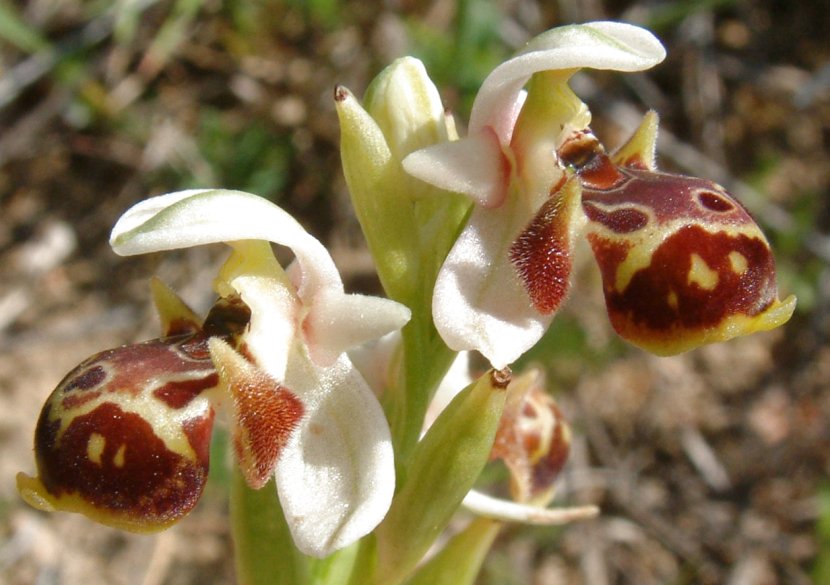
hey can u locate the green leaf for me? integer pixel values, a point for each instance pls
(16, 32)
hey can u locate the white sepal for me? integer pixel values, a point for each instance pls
(336, 475)
(595, 45)
(208, 216)
(479, 302)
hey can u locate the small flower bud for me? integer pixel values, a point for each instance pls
(533, 440)
(406, 106)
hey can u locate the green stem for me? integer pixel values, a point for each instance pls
(264, 551)
(426, 360)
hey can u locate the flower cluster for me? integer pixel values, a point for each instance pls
(473, 240)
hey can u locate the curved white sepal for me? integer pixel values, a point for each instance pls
(474, 166)
(597, 45)
(507, 511)
(208, 216)
(336, 475)
(479, 301)
(338, 322)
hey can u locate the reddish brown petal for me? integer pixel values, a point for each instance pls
(105, 445)
(542, 254)
(178, 394)
(264, 413)
(691, 286)
(125, 437)
(114, 461)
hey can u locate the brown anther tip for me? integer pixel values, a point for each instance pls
(501, 378)
(341, 93)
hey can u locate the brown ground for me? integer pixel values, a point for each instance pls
(710, 467)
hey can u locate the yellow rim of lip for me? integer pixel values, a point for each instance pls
(678, 340)
(35, 494)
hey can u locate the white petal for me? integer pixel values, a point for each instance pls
(479, 302)
(508, 511)
(272, 329)
(598, 45)
(206, 216)
(336, 475)
(475, 166)
(338, 322)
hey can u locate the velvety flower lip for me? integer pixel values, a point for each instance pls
(508, 167)
(301, 323)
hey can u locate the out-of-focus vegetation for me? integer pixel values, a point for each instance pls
(709, 467)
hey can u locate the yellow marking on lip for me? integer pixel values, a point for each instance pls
(701, 275)
(95, 447)
(738, 262)
(118, 460)
(672, 300)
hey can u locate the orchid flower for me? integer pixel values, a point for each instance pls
(272, 351)
(682, 262)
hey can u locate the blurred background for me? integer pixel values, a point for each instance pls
(710, 467)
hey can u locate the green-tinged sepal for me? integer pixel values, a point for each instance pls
(375, 186)
(442, 469)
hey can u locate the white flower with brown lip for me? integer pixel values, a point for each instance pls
(507, 165)
(335, 473)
